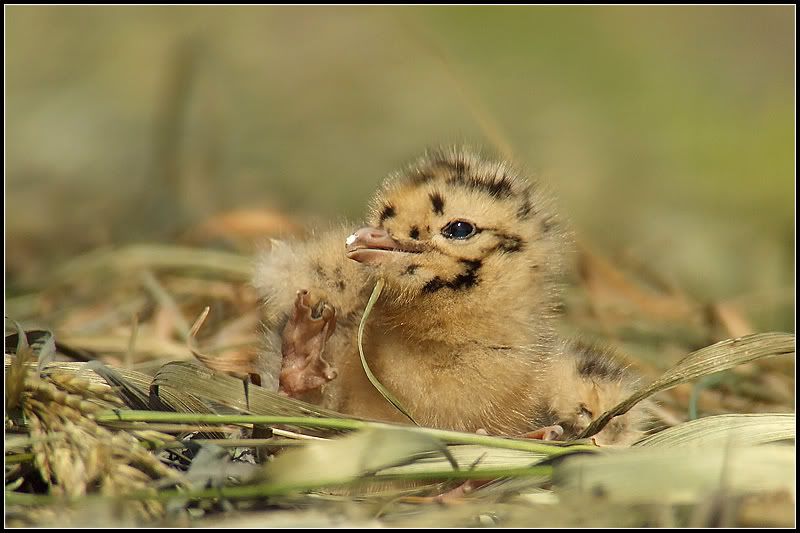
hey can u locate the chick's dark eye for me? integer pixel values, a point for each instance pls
(458, 229)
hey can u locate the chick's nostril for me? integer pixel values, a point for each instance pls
(372, 234)
(370, 237)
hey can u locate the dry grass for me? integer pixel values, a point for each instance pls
(67, 450)
(153, 439)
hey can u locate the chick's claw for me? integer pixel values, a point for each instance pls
(309, 327)
(545, 433)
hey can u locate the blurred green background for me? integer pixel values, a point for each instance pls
(666, 132)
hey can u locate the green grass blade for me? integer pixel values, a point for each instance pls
(386, 393)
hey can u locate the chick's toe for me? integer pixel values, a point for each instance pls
(310, 325)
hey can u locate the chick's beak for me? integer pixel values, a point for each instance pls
(371, 246)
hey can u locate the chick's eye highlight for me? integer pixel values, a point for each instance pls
(458, 229)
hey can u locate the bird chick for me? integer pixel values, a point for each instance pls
(588, 379)
(463, 334)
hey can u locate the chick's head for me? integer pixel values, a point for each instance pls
(457, 228)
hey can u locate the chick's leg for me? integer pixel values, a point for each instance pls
(309, 327)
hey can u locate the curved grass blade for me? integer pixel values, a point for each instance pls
(709, 360)
(133, 395)
(386, 393)
(41, 342)
(17, 370)
(720, 430)
(220, 389)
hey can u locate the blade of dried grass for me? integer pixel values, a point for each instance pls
(165, 300)
(222, 389)
(128, 359)
(179, 400)
(723, 429)
(17, 370)
(134, 395)
(239, 366)
(147, 347)
(715, 358)
(172, 391)
(138, 380)
(19, 338)
(40, 342)
(135, 257)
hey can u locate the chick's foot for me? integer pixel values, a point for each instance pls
(545, 433)
(309, 327)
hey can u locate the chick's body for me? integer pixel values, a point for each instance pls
(463, 332)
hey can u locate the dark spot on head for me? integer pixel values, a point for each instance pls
(421, 176)
(509, 243)
(457, 167)
(547, 224)
(591, 367)
(594, 361)
(456, 180)
(414, 233)
(388, 212)
(340, 285)
(437, 202)
(410, 269)
(500, 188)
(524, 211)
(496, 188)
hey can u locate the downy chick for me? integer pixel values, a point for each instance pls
(463, 334)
